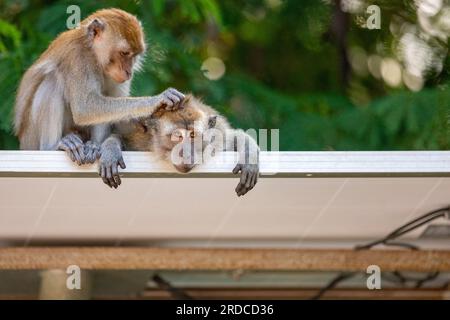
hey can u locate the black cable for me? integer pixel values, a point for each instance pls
(402, 244)
(175, 293)
(408, 227)
(339, 278)
(402, 279)
(429, 277)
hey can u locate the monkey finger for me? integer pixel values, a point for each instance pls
(177, 93)
(110, 183)
(113, 183)
(122, 163)
(75, 138)
(244, 174)
(175, 99)
(103, 175)
(242, 192)
(105, 181)
(118, 180)
(110, 176)
(88, 156)
(251, 180)
(245, 190)
(248, 179)
(74, 151)
(93, 156)
(76, 141)
(115, 175)
(236, 169)
(108, 172)
(240, 189)
(79, 146)
(71, 155)
(167, 102)
(254, 179)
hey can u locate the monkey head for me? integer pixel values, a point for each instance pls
(178, 136)
(117, 40)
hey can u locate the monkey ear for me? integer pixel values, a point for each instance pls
(212, 121)
(95, 28)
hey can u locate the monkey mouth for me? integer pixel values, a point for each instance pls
(122, 79)
(183, 168)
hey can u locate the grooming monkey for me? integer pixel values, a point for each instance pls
(185, 134)
(81, 83)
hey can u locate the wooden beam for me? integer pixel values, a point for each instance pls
(269, 294)
(129, 258)
(291, 293)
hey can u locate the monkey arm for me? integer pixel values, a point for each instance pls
(248, 164)
(93, 108)
(241, 142)
(110, 160)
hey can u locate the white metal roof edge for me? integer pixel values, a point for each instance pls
(272, 164)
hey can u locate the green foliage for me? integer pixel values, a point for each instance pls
(283, 69)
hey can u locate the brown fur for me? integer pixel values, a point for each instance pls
(124, 24)
(140, 135)
(190, 110)
(71, 61)
(175, 133)
(24, 124)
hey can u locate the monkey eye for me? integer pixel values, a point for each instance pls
(124, 53)
(176, 135)
(193, 134)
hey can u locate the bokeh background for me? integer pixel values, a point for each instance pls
(311, 68)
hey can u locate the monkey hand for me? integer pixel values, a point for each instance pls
(170, 99)
(91, 152)
(249, 177)
(110, 160)
(73, 146)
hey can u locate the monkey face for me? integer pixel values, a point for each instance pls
(179, 135)
(180, 145)
(120, 65)
(186, 151)
(117, 40)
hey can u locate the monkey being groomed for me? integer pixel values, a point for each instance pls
(181, 138)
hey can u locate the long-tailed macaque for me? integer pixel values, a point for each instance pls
(182, 135)
(81, 83)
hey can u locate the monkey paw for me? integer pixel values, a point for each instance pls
(91, 152)
(109, 168)
(73, 146)
(171, 99)
(249, 177)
